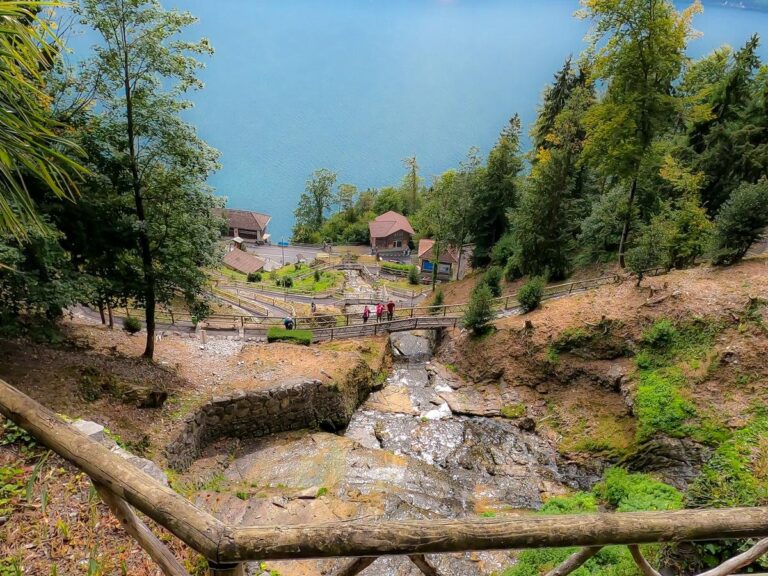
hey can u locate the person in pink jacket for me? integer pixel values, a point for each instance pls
(379, 311)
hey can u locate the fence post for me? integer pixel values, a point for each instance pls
(346, 317)
(411, 312)
(445, 308)
(506, 303)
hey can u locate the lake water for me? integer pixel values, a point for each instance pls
(357, 85)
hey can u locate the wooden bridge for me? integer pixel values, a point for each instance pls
(125, 488)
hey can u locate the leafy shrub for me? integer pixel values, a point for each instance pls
(531, 293)
(492, 279)
(131, 324)
(512, 270)
(661, 335)
(286, 282)
(317, 275)
(413, 276)
(479, 312)
(660, 406)
(580, 502)
(627, 492)
(503, 250)
(254, 277)
(396, 266)
(276, 334)
(740, 222)
(437, 303)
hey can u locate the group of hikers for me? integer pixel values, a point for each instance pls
(289, 323)
(390, 308)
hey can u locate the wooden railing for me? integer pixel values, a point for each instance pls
(125, 488)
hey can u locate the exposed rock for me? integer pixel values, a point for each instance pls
(411, 346)
(677, 460)
(96, 432)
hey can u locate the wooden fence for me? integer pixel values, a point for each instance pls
(125, 488)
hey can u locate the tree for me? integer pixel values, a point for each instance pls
(31, 141)
(740, 222)
(639, 50)
(495, 194)
(314, 202)
(389, 199)
(411, 187)
(140, 72)
(553, 102)
(345, 197)
(712, 140)
(479, 312)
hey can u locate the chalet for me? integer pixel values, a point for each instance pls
(390, 231)
(243, 262)
(448, 261)
(246, 224)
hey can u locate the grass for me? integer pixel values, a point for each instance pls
(663, 403)
(620, 490)
(276, 334)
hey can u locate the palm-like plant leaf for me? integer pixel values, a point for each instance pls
(30, 139)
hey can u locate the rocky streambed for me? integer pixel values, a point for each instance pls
(425, 445)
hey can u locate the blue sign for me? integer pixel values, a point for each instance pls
(283, 244)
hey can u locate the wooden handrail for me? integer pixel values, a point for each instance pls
(222, 543)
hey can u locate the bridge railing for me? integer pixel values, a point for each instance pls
(125, 489)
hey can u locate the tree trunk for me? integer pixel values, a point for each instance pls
(627, 222)
(101, 312)
(435, 263)
(146, 250)
(109, 313)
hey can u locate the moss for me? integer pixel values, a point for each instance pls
(513, 410)
(322, 491)
(275, 334)
(627, 492)
(737, 473)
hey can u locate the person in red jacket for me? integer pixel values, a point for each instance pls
(379, 311)
(390, 310)
(366, 315)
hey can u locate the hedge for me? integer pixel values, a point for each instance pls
(276, 334)
(395, 266)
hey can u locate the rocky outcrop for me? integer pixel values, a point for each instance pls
(676, 460)
(414, 346)
(294, 404)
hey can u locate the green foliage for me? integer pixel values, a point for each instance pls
(322, 491)
(661, 335)
(254, 277)
(13, 434)
(740, 222)
(578, 503)
(131, 324)
(492, 279)
(395, 266)
(413, 276)
(531, 293)
(627, 492)
(600, 233)
(316, 275)
(437, 302)
(285, 282)
(513, 410)
(479, 312)
(313, 204)
(12, 487)
(276, 334)
(660, 405)
(737, 472)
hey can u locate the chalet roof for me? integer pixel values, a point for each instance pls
(449, 256)
(389, 223)
(245, 219)
(243, 262)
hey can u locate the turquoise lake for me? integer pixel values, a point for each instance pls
(357, 85)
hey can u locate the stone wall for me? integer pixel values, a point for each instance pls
(291, 405)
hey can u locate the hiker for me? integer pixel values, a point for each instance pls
(379, 311)
(390, 310)
(366, 314)
(288, 323)
(313, 306)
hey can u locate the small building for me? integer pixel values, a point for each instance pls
(390, 231)
(448, 260)
(243, 262)
(246, 224)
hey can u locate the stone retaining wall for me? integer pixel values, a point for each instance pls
(291, 405)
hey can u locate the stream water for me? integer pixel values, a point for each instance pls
(405, 454)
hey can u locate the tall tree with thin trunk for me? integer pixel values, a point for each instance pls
(638, 51)
(142, 69)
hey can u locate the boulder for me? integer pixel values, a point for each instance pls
(677, 460)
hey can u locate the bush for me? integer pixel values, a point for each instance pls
(492, 279)
(512, 270)
(479, 312)
(396, 266)
(286, 282)
(317, 275)
(438, 301)
(627, 492)
(531, 293)
(131, 324)
(276, 334)
(740, 223)
(661, 335)
(413, 276)
(254, 277)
